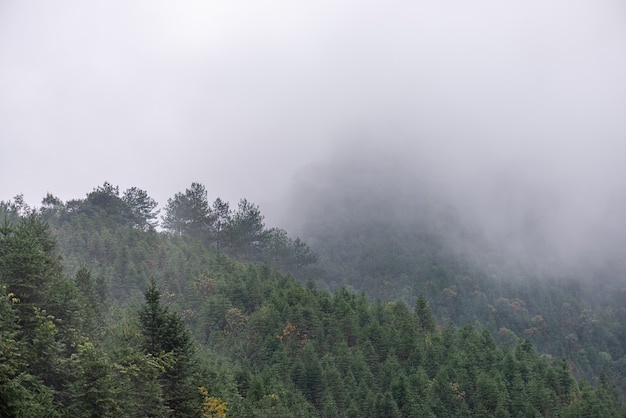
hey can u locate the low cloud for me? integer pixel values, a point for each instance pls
(512, 113)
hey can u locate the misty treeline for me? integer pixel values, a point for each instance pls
(239, 232)
(581, 318)
(392, 231)
(103, 316)
(267, 346)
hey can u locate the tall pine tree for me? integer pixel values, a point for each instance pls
(165, 335)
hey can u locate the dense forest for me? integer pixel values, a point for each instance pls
(107, 312)
(382, 229)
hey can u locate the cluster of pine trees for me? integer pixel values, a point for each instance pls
(574, 313)
(240, 233)
(101, 315)
(60, 353)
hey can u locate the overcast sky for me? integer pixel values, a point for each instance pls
(240, 95)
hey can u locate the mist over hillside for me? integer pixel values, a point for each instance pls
(459, 163)
(499, 105)
(555, 216)
(514, 247)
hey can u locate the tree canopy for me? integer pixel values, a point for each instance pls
(101, 316)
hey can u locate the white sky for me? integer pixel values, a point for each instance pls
(239, 95)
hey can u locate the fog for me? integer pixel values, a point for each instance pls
(511, 114)
(516, 214)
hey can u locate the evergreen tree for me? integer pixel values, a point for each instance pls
(189, 213)
(221, 217)
(141, 208)
(51, 207)
(29, 265)
(21, 393)
(165, 334)
(105, 204)
(246, 231)
(425, 318)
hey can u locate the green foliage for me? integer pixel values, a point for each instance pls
(141, 208)
(96, 390)
(188, 213)
(245, 232)
(221, 216)
(578, 314)
(165, 333)
(100, 338)
(240, 233)
(21, 394)
(29, 263)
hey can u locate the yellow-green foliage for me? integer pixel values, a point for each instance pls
(212, 407)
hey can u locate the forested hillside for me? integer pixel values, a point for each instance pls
(217, 315)
(582, 318)
(380, 229)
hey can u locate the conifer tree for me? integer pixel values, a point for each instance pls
(141, 208)
(425, 318)
(188, 213)
(165, 334)
(28, 262)
(21, 393)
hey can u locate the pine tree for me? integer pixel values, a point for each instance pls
(165, 334)
(189, 213)
(141, 208)
(28, 264)
(21, 393)
(425, 318)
